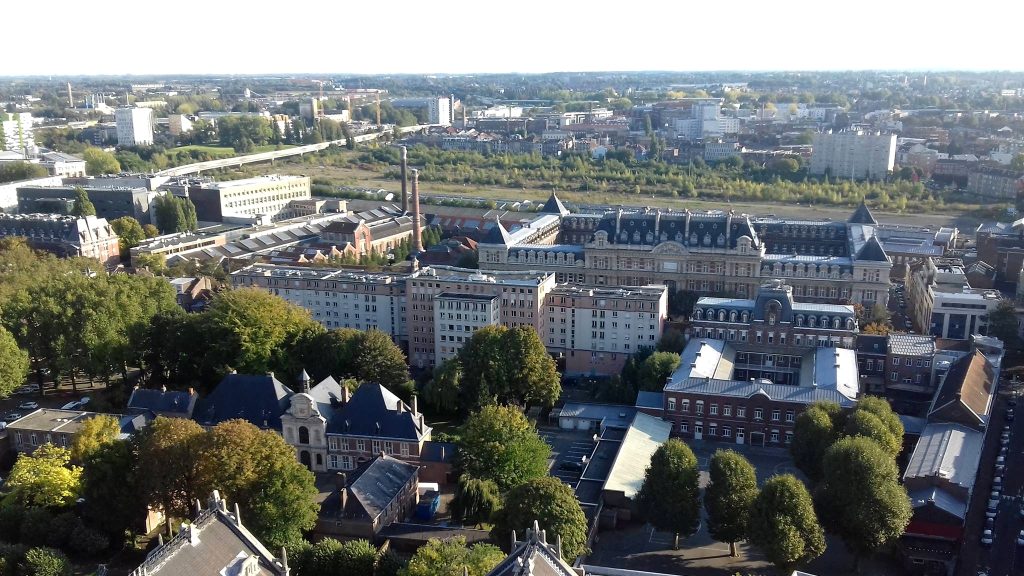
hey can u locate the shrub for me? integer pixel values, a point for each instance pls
(35, 527)
(45, 562)
(88, 541)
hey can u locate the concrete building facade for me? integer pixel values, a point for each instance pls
(134, 126)
(260, 199)
(89, 236)
(853, 155)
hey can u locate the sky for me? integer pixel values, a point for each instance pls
(145, 37)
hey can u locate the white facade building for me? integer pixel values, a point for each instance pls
(17, 132)
(134, 126)
(457, 317)
(853, 155)
(440, 111)
(261, 199)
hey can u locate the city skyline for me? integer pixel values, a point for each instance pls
(534, 37)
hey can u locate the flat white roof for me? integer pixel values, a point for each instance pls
(643, 438)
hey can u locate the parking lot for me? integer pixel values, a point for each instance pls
(27, 399)
(568, 449)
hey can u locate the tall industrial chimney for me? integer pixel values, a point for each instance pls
(417, 234)
(405, 193)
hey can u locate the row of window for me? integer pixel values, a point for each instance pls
(336, 444)
(727, 410)
(712, 431)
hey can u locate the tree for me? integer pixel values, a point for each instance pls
(553, 505)
(1017, 163)
(503, 365)
(442, 392)
(452, 557)
(98, 162)
(17, 171)
(656, 369)
(247, 329)
(880, 315)
(169, 452)
(813, 433)
(783, 524)
(150, 231)
(378, 359)
(500, 444)
(45, 562)
(82, 206)
(1002, 323)
(356, 558)
(475, 500)
(129, 232)
(258, 469)
(13, 363)
(95, 432)
(728, 496)
(174, 214)
(672, 340)
(860, 498)
(877, 329)
(44, 478)
(669, 498)
(110, 488)
(875, 419)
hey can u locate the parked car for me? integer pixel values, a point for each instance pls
(986, 538)
(571, 466)
(28, 406)
(997, 483)
(12, 416)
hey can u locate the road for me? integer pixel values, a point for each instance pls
(1004, 557)
(273, 154)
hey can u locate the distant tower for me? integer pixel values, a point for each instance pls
(71, 99)
(405, 194)
(417, 234)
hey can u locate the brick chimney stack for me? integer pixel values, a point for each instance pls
(405, 194)
(417, 234)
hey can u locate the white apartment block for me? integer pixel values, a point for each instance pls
(457, 317)
(440, 111)
(134, 126)
(942, 302)
(17, 133)
(252, 200)
(716, 151)
(855, 155)
(597, 329)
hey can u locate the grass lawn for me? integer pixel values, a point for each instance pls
(224, 151)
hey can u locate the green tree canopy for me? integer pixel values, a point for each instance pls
(500, 444)
(174, 214)
(98, 162)
(129, 232)
(94, 433)
(44, 478)
(1002, 323)
(783, 524)
(860, 497)
(169, 452)
(656, 369)
(452, 557)
(13, 363)
(669, 498)
(258, 469)
(377, 359)
(82, 206)
(730, 492)
(813, 433)
(553, 505)
(45, 562)
(18, 171)
(475, 500)
(110, 488)
(503, 365)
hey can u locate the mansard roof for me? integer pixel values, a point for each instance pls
(863, 215)
(554, 206)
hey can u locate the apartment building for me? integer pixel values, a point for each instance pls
(997, 184)
(855, 155)
(596, 329)
(17, 133)
(111, 202)
(134, 126)
(706, 252)
(258, 200)
(457, 317)
(942, 302)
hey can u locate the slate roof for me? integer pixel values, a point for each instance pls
(692, 229)
(912, 345)
(497, 235)
(438, 451)
(872, 251)
(554, 206)
(950, 452)
(646, 399)
(968, 382)
(166, 402)
(373, 411)
(863, 215)
(941, 499)
(376, 484)
(872, 344)
(327, 395)
(259, 400)
(216, 543)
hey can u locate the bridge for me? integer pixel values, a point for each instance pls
(275, 154)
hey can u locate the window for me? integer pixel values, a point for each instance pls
(684, 427)
(714, 410)
(758, 414)
(700, 407)
(727, 432)
(404, 448)
(741, 411)
(333, 461)
(789, 437)
(775, 415)
(671, 404)
(895, 361)
(894, 376)
(361, 445)
(346, 462)
(686, 406)
(332, 443)
(727, 410)
(789, 416)
(910, 362)
(376, 447)
(775, 436)
(712, 429)
(389, 447)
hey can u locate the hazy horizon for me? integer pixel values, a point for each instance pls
(529, 37)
